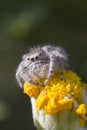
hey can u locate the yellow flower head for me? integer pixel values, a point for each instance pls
(60, 95)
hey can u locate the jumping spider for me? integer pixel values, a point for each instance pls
(41, 62)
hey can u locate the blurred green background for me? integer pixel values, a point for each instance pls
(25, 23)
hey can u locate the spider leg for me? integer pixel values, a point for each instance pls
(62, 66)
(51, 69)
(55, 63)
(62, 73)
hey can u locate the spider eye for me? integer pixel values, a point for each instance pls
(36, 57)
(32, 59)
(28, 58)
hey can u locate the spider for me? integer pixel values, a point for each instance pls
(41, 63)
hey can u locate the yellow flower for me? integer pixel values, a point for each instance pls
(82, 111)
(59, 95)
(31, 89)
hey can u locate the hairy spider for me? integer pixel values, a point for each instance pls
(41, 63)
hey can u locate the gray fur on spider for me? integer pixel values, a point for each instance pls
(41, 62)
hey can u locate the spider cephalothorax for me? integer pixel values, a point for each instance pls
(41, 63)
